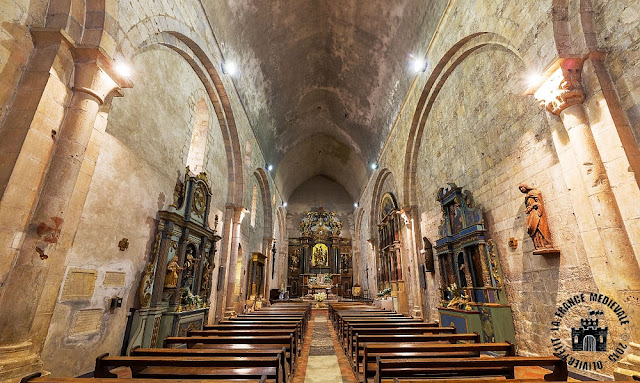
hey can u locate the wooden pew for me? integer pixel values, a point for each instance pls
(398, 321)
(422, 350)
(192, 367)
(36, 378)
(237, 342)
(477, 380)
(296, 327)
(200, 352)
(420, 328)
(469, 367)
(360, 340)
(356, 331)
(251, 332)
(265, 319)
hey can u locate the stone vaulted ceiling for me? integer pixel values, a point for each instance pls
(322, 81)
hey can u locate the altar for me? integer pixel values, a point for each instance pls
(318, 283)
(320, 259)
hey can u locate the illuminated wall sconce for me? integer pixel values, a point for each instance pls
(229, 68)
(513, 243)
(374, 166)
(418, 65)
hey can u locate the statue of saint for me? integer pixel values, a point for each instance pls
(536, 219)
(171, 278)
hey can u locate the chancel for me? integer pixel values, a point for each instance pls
(319, 191)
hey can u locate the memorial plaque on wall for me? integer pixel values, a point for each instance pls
(114, 278)
(86, 322)
(79, 284)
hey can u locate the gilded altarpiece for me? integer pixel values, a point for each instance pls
(176, 282)
(317, 253)
(472, 290)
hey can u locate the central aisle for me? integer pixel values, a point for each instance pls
(322, 365)
(322, 359)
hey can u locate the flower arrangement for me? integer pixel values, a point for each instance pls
(319, 297)
(191, 300)
(384, 292)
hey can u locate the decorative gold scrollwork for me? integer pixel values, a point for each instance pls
(493, 260)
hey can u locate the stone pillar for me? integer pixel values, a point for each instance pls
(562, 94)
(225, 255)
(39, 266)
(232, 298)
(608, 245)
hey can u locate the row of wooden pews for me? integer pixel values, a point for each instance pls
(262, 346)
(384, 346)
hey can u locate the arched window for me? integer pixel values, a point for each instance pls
(195, 159)
(254, 205)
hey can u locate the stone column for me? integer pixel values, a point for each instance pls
(35, 277)
(609, 249)
(562, 94)
(238, 216)
(225, 255)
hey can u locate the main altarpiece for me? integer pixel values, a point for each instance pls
(319, 259)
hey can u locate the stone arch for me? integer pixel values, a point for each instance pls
(85, 21)
(189, 48)
(573, 42)
(378, 191)
(436, 80)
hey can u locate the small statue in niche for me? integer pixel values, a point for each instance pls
(171, 278)
(345, 262)
(537, 227)
(206, 276)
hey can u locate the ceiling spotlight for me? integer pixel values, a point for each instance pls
(418, 64)
(374, 166)
(269, 167)
(229, 68)
(123, 69)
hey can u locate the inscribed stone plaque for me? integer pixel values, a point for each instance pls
(86, 322)
(114, 278)
(79, 284)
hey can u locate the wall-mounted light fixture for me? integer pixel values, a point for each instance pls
(123, 69)
(356, 204)
(269, 167)
(374, 166)
(284, 204)
(418, 64)
(229, 67)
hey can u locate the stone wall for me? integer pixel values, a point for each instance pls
(468, 120)
(144, 152)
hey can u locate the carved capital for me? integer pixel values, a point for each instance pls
(95, 72)
(563, 88)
